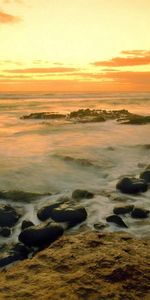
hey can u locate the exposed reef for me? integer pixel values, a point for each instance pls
(92, 115)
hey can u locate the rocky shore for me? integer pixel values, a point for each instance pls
(86, 265)
(91, 115)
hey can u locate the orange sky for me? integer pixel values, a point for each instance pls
(88, 45)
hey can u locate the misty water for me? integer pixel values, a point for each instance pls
(53, 156)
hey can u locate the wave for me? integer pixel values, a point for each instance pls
(85, 162)
(106, 96)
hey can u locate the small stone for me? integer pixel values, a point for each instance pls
(26, 223)
(121, 210)
(140, 213)
(117, 220)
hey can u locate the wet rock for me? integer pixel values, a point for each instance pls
(20, 195)
(69, 215)
(5, 231)
(26, 223)
(121, 210)
(45, 212)
(132, 185)
(4, 261)
(140, 213)
(117, 220)
(145, 176)
(41, 236)
(8, 216)
(15, 253)
(100, 226)
(82, 194)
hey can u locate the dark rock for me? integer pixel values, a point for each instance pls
(21, 249)
(15, 253)
(20, 195)
(41, 236)
(117, 220)
(5, 231)
(45, 212)
(139, 213)
(145, 176)
(69, 215)
(132, 185)
(4, 261)
(79, 194)
(26, 223)
(8, 216)
(121, 210)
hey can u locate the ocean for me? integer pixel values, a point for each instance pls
(53, 156)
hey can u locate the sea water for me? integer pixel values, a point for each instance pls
(53, 156)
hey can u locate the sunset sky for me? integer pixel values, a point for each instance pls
(82, 45)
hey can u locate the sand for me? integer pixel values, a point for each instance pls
(87, 265)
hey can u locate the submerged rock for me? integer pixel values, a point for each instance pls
(44, 115)
(137, 120)
(132, 185)
(145, 176)
(20, 195)
(79, 194)
(117, 220)
(41, 236)
(100, 226)
(46, 212)
(121, 210)
(26, 224)
(140, 213)
(8, 216)
(69, 215)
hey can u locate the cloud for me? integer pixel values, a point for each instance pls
(8, 19)
(43, 70)
(132, 58)
(11, 1)
(109, 81)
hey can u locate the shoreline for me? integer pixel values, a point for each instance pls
(86, 265)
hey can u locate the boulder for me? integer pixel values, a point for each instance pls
(41, 236)
(69, 215)
(117, 220)
(145, 176)
(121, 210)
(82, 194)
(45, 212)
(132, 185)
(140, 213)
(26, 223)
(8, 216)
(5, 231)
